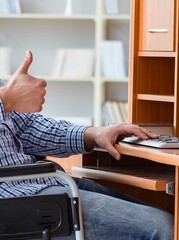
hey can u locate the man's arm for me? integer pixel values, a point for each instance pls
(23, 93)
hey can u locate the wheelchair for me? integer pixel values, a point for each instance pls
(41, 216)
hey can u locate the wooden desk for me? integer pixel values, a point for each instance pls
(142, 172)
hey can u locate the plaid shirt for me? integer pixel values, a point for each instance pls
(24, 135)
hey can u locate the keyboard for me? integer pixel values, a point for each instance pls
(163, 141)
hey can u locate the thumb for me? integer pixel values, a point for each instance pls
(26, 63)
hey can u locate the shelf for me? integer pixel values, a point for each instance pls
(156, 54)
(123, 80)
(47, 16)
(147, 178)
(55, 79)
(157, 98)
(122, 17)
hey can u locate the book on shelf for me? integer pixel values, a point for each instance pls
(112, 7)
(58, 62)
(117, 112)
(4, 6)
(73, 63)
(107, 113)
(15, 6)
(114, 112)
(68, 8)
(10, 6)
(5, 61)
(123, 106)
(112, 59)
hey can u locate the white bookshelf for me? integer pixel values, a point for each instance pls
(43, 28)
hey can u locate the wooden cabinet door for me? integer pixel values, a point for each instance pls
(156, 31)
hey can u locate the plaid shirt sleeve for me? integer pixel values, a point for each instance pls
(45, 136)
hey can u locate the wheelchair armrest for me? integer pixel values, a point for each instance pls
(27, 169)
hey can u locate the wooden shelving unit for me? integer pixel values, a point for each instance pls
(153, 71)
(153, 98)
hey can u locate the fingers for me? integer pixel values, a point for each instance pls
(113, 152)
(26, 63)
(127, 130)
(145, 134)
(149, 133)
(142, 132)
(108, 144)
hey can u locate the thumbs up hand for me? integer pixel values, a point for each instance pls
(23, 93)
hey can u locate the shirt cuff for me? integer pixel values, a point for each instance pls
(3, 116)
(75, 139)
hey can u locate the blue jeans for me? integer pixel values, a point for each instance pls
(110, 215)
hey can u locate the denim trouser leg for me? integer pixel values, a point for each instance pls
(111, 218)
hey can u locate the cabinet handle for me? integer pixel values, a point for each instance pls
(158, 30)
